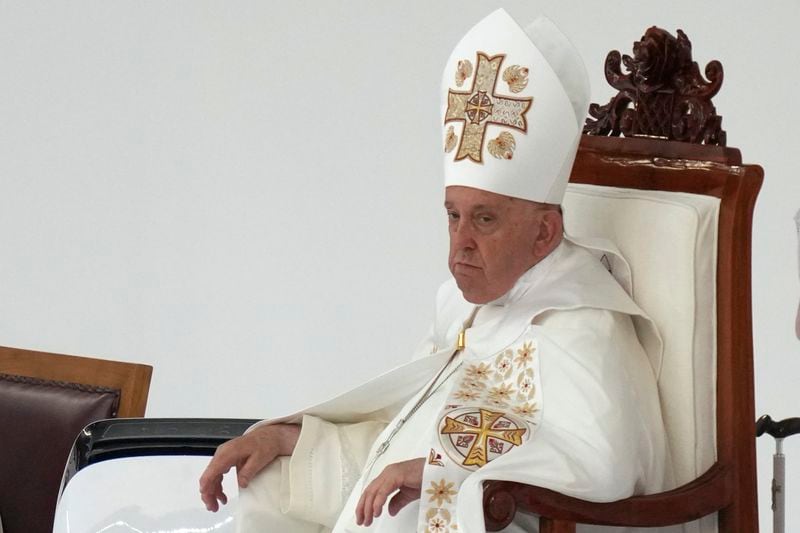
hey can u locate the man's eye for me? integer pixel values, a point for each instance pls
(484, 219)
(452, 216)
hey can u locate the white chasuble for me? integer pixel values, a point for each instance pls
(493, 408)
(554, 389)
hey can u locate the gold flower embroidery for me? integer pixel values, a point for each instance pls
(524, 354)
(463, 71)
(474, 384)
(503, 365)
(438, 520)
(516, 77)
(526, 387)
(526, 409)
(433, 511)
(480, 371)
(437, 525)
(467, 395)
(502, 393)
(497, 402)
(450, 140)
(441, 492)
(503, 146)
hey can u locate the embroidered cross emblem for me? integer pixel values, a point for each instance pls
(480, 106)
(484, 432)
(464, 441)
(496, 446)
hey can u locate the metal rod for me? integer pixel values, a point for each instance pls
(778, 488)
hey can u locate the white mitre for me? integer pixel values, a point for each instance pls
(513, 107)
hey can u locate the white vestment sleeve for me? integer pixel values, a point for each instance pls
(325, 465)
(601, 437)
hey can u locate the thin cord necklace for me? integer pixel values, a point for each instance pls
(461, 343)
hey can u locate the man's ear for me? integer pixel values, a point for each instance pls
(551, 230)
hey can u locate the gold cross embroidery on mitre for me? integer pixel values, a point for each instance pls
(480, 106)
(477, 455)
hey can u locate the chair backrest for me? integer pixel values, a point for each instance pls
(45, 401)
(679, 205)
(682, 221)
(669, 241)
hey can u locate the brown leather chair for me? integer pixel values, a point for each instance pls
(674, 147)
(45, 401)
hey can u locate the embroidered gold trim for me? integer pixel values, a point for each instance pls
(503, 146)
(435, 458)
(516, 77)
(480, 371)
(438, 520)
(467, 395)
(463, 71)
(450, 140)
(524, 354)
(526, 388)
(481, 106)
(503, 365)
(491, 429)
(527, 410)
(441, 492)
(501, 394)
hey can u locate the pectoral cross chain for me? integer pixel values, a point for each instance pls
(432, 388)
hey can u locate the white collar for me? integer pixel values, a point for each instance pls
(529, 279)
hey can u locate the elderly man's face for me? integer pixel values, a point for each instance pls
(494, 239)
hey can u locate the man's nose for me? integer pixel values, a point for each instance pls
(462, 236)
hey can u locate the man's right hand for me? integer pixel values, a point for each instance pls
(250, 454)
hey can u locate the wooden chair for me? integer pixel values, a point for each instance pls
(711, 429)
(45, 401)
(130, 379)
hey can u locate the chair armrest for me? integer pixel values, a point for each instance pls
(129, 437)
(707, 494)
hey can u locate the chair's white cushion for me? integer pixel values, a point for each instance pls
(670, 241)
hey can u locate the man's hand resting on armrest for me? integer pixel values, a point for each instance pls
(404, 478)
(250, 454)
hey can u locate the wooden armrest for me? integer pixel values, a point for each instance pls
(707, 494)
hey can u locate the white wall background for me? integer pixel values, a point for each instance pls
(247, 195)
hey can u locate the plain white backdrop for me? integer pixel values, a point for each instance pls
(247, 195)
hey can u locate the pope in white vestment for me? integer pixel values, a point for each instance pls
(551, 382)
(589, 408)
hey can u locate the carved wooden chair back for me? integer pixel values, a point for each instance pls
(706, 382)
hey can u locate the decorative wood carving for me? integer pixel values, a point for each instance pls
(663, 95)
